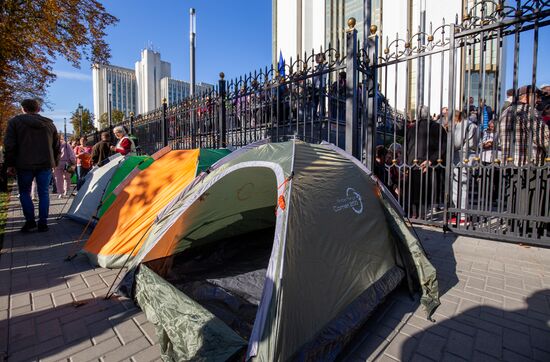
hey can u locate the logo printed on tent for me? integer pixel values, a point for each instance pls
(351, 201)
(245, 191)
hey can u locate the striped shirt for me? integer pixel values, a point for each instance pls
(523, 139)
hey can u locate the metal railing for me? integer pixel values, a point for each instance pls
(483, 167)
(449, 169)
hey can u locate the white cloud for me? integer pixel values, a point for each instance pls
(73, 75)
(57, 115)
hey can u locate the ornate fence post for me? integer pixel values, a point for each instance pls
(222, 127)
(131, 123)
(372, 106)
(280, 103)
(352, 131)
(193, 107)
(450, 135)
(164, 123)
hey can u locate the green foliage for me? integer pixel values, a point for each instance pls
(87, 122)
(103, 121)
(116, 118)
(34, 33)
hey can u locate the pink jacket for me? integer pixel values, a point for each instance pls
(67, 155)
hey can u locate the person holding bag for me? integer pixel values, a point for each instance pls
(83, 154)
(65, 168)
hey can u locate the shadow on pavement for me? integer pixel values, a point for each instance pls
(66, 330)
(487, 333)
(56, 307)
(37, 260)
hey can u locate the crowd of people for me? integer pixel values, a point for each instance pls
(34, 152)
(413, 166)
(512, 140)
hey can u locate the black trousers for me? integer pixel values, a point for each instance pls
(3, 178)
(526, 195)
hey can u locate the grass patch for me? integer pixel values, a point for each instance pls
(4, 201)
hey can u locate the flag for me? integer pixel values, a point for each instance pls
(281, 66)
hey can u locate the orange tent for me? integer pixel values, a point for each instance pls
(127, 222)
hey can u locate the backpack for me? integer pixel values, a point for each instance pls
(465, 139)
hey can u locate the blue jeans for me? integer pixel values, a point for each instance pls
(81, 172)
(24, 182)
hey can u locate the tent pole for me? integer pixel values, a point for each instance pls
(65, 205)
(72, 255)
(94, 216)
(107, 296)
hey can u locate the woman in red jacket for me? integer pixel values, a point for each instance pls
(124, 145)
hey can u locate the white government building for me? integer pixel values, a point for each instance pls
(138, 90)
(299, 26)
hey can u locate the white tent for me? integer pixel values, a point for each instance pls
(89, 196)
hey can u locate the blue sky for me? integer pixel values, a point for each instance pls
(525, 66)
(233, 36)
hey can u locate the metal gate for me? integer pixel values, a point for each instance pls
(457, 149)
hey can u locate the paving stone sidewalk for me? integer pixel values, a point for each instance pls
(495, 304)
(54, 310)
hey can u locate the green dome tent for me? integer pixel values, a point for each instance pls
(280, 251)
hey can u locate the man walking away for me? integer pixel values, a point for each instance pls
(32, 150)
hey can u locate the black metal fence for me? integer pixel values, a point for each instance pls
(479, 164)
(305, 99)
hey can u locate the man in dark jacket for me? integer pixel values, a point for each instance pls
(32, 150)
(101, 150)
(426, 147)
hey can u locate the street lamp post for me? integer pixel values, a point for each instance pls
(192, 35)
(110, 93)
(65, 127)
(80, 110)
